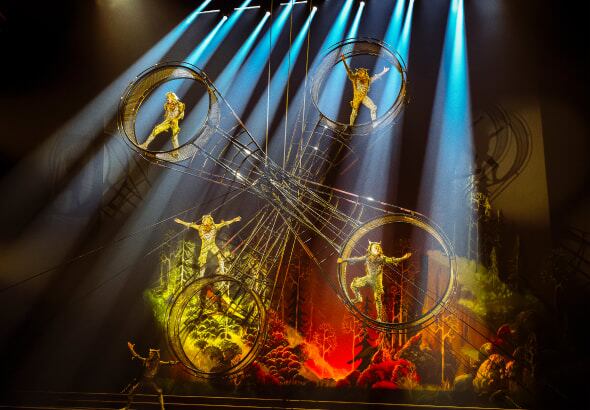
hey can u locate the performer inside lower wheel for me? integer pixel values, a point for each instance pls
(208, 234)
(374, 261)
(173, 112)
(361, 83)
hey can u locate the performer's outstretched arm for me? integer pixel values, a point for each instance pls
(381, 74)
(134, 354)
(352, 260)
(226, 223)
(395, 261)
(348, 70)
(187, 224)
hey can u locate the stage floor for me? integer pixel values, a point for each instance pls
(79, 400)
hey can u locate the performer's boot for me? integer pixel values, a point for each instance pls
(130, 394)
(161, 401)
(147, 142)
(358, 298)
(175, 144)
(379, 307)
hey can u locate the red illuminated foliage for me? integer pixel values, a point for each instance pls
(282, 361)
(389, 374)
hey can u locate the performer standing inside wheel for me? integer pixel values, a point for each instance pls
(374, 261)
(208, 234)
(151, 365)
(361, 83)
(173, 112)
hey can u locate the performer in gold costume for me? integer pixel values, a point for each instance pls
(374, 261)
(150, 365)
(173, 112)
(361, 83)
(208, 233)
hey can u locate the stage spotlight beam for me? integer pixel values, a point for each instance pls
(331, 98)
(223, 81)
(250, 73)
(395, 23)
(81, 130)
(195, 57)
(202, 54)
(335, 35)
(401, 41)
(448, 161)
(256, 119)
(383, 153)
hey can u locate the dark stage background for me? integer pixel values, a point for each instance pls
(66, 329)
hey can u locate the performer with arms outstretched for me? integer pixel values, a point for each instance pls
(374, 261)
(208, 234)
(150, 365)
(361, 83)
(173, 112)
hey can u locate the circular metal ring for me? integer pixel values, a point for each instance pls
(209, 312)
(417, 221)
(140, 89)
(350, 48)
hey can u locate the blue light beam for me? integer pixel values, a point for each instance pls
(249, 75)
(395, 23)
(223, 82)
(256, 120)
(81, 130)
(383, 152)
(194, 58)
(401, 42)
(200, 57)
(449, 152)
(335, 35)
(333, 90)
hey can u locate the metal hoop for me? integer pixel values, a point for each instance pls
(419, 222)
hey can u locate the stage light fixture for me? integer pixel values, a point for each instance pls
(209, 11)
(294, 2)
(246, 8)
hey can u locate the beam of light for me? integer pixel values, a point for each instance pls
(395, 23)
(256, 119)
(203, 53)
(335, 35)
(403, 45)
(333, 90)
(337, 31)
(81, 130)
(383, 153)
(223, 81)
(448, 158)
(250, 73)
(357, 19)
(195, 56)
(79, 150)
